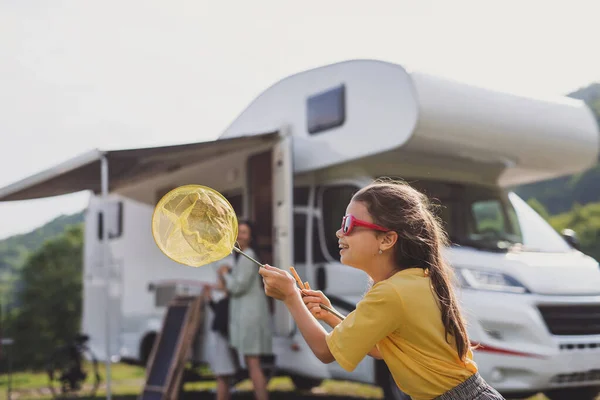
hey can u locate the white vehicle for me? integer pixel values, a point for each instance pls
(292, 160)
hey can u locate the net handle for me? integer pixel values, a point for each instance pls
(239, 251)
(323, 306)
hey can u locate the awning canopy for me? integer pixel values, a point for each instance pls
(124, 167)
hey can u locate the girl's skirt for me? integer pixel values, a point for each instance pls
(474, 388)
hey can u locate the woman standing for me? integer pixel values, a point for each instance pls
(221, 360)
(249, 326)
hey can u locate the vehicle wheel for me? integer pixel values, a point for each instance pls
(304, 383)
(386, 382)
(580, 393)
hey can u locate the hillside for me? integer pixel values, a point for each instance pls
(560, 195)
(15, 250)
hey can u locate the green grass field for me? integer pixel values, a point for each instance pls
(127, 382)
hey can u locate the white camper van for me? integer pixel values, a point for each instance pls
(292, 160)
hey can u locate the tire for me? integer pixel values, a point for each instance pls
(579, 393)
(385, 380)
(303, 383)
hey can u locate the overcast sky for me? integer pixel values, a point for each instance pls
(77, 75)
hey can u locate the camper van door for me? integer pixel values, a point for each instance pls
(283, 203)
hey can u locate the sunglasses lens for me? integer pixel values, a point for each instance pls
(346, 224)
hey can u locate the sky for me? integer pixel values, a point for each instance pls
(78, 75)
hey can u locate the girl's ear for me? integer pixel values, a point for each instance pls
(388, 240)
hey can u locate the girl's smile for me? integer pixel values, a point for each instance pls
(343, 246)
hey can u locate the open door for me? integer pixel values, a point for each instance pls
(283, 228)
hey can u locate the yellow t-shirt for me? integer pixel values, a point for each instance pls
(401, 316)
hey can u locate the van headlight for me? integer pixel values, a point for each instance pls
(489, 280)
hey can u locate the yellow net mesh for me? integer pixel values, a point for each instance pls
(194, 225)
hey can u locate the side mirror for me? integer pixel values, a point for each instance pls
(571, 237)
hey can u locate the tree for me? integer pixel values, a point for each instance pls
(50, 301)
(585, 220)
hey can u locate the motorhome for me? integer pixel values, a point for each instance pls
(292, 160)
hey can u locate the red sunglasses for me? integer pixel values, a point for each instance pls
(349, 222)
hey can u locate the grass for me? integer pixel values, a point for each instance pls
(127, 382)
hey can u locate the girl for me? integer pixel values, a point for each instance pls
(410, 317)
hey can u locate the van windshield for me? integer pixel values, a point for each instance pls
(488, 218)
(481, 217)
(474, 216)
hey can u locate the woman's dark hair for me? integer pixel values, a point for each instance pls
(421, 240)
(250, 225)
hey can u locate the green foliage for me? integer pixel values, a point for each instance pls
(488, 217)
(539, 208)
(15, 250)
(50, 302)
(585, 221)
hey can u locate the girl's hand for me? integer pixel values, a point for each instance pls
(278, 283)
(311, 299)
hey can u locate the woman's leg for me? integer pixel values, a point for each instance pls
(223, 388)
(259, 381)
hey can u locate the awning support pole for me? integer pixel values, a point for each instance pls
(106, 265)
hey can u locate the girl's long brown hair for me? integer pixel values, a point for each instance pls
(421, 240)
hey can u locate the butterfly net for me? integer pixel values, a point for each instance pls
(194, 225)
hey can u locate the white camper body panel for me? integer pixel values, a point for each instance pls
(387, 108)
(535, 138)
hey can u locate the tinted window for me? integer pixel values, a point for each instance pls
(326, 110)
(317, 256)
(487, 215)
(300, 244)
(473, 215)
(299, 237)
(335, 199)
(301, 195)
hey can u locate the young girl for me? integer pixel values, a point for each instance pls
(410, 316)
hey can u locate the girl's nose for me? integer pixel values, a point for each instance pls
(339, 233)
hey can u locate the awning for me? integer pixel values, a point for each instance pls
(124, 167)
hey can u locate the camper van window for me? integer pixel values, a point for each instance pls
(115, 221)
(301, 195)
(476, 216)
(488, 216)
(317, 252)
(334, 200)
(300, 237)
(326, 110)
(300, 243)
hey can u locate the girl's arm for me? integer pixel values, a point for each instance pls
(314, 334)
(334, 321)
(282, 286)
